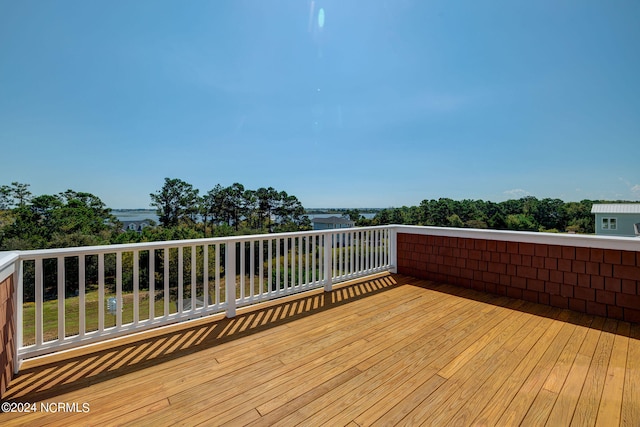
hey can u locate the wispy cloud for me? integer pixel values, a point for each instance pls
(634, 189)
(626, 181)
(517, 193)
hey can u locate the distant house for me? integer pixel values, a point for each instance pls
(135, 225)
(331, 223)
(617, 219)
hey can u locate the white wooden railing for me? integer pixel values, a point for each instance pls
(75, 296)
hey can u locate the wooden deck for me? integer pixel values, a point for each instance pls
(383, 351)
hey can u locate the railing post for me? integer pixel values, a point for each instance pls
(393, 249)
(18, 292)
(230, 278)
(328, 262)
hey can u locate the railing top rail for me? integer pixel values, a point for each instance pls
(40, 253)
(7, 264)
(579, 240)
(561, 239)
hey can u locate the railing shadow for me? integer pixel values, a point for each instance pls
(84, 367)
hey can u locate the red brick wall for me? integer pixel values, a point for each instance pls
(6, 333)
(603, 282)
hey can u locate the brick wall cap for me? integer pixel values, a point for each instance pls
(560, 239)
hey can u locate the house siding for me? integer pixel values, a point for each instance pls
(7, 329)
(624, 221)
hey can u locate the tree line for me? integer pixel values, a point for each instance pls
(73, 218)
(264, 209)
(524, 214)
(67, 219)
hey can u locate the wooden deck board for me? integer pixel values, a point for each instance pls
(476, 400)
(631, 398)
(611, 401)
(385, 350)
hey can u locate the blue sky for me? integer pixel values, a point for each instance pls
(384, 103)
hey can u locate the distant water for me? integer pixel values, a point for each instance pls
(311, 216)
(140, 215)
(137, 215)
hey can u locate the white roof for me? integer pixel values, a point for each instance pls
(617, 208)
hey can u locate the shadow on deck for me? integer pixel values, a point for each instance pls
(51, 375)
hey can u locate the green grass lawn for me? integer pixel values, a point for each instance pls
(72, 309)
(72, 314)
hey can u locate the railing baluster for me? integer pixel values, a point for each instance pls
(358, 250)
(376, 249)
(39, 284)
(152, 284)
(333, 242)
(181, 280)
(119, 301)
(393, 241)
(346, 243)
(193, 277)
(328, 255)
(285, 284)
(345, 250)
(307, 240)
(230, 278)
(367, 238)
(136, 286)
(205, 275)
(386, 247)
(313, 259)
(291, 271)
(366, 249)
(243, 247)
(321, 259)
(165, 265)
(217, 267)
(373, 249)
(300, 253)
(270, 267)
(296, 267)
(276, 285)
(81, 296)
(252, 266)
(101, 292)
(381, 249)
(292, 263)
(61, 298)
(352, 235)
(343, 254)
(261, 267)
(339, 247)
